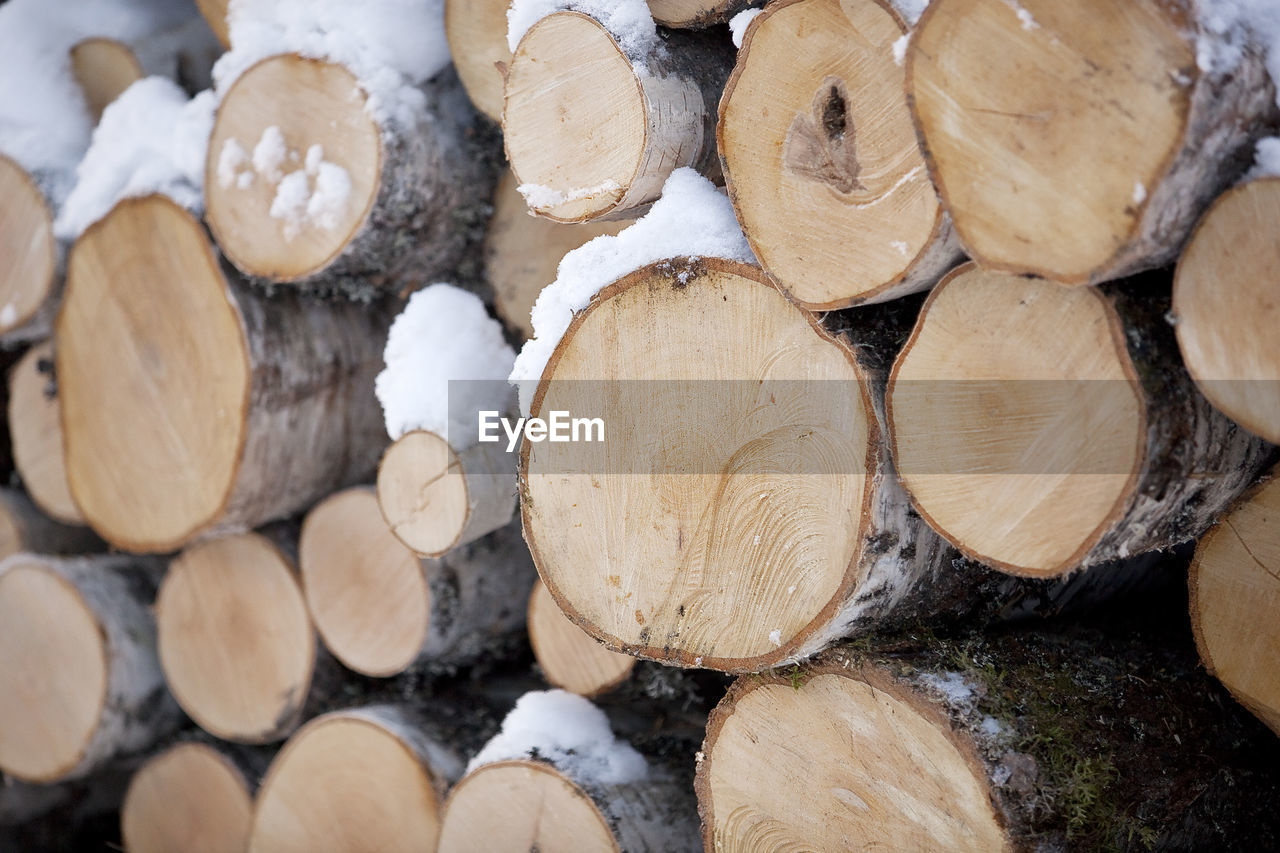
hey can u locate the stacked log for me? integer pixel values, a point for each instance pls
(35, 431)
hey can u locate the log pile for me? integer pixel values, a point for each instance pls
(887, 462)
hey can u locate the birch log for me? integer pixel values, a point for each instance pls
(695, 13)
(35, 430)
(28, 277)
(477, 34)
(23, 527)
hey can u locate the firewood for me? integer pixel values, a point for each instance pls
(380, 608)
(1235, 602)
(1080, 141)
(192, 797)
(1042, 428)
(304, 184)
(79, 679)
(477, 33)
(569, 657)
(104, 68)
(1225, 310)
(235, 638)
(28, 276)
(23, 527)
(363, 779)
(821, 158)
(35, 430)
(695, 13)
(215, 15)
(521, 252)
(207, 407)
(1031, 741)
(592, 131)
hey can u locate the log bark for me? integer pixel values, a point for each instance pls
(436, 499)
(522, 252)
(570, 658)
(368, 778)
(744, 510)
(29, 278)
(1010, 101)
(1223, 308)
(1043, 429)
(695, 13)
(192, 796)
(1034, 741)
(377, 206)
(35, 431)
(477, 34)
(80, 680)
(576, 158)
(1235, 601)
(209, 408)
(381, 608)
(235, 638)
(821, 158)
(23, 527)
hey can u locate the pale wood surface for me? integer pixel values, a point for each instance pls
(215, 14)
(695, 13)
(104, 68)
(26, 244)
(477, 33)
(190, 797)
(571, 658)
(35, 431)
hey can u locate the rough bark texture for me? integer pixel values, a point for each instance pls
(38, 534)
(670, 14)
(1052, 719)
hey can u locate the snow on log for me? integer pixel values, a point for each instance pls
(522, 252)
(381, 608)
(1042, 428)
(151, 464)
(599, 111)
(1235, 601)
(24, 527)
(569, 657)
(562, 780)
(79, 680)
(821, 158)
(235, 638)
(1017, 741)
(369, 778)
(446, 365)
(1224, 308)
(192, 796)
(1081, 141)
(35, 430)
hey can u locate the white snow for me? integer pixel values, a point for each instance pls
(151, 139)
(901, 247)
(952, 686)
(738, 24)
(329, 198)
(1235, 23)
(1267, 159)
(231, 160)
(8, 315)
(569, 732)
(45, 125)
(315, 157)
(290, 203)
(538, 196)
(628, 21)
(269, 154)
(389, 45)
(443, 333)
(900, 48)
(910, 10)
(775, 636)
(1139, 192)
(692, 219)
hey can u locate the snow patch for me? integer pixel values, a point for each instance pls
(628, 21)
(232, 159)
(910, 10)
(955, 690)
(540, 197)
(313, 196)
(900, 246)
(1267, 158)
(8, 315)
(738, 24)
(1233, 25)
(775, 636)
(691, 219)
(269, 154)
(443, 334)
(151, 139)
(569, 732)
(1139, 192)
(900, 48)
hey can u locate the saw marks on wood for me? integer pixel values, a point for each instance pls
(190, 798)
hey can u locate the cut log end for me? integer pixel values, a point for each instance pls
(541, 810)
(695, 13)
(235, 639)
(35, 430)
(1017, 422)
(215, 15)
(477, 34)
(27, 246)
(1235, 601)
(190, 797)
(104, 68)
(570, 658)
(346, 782)
(364, 587)
(294, 167)
(821, 157)
(423, 493)
(575, 118)
(778, 770)
(1226, 310)
(53, 673)
(132, 347)
(737, 561)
